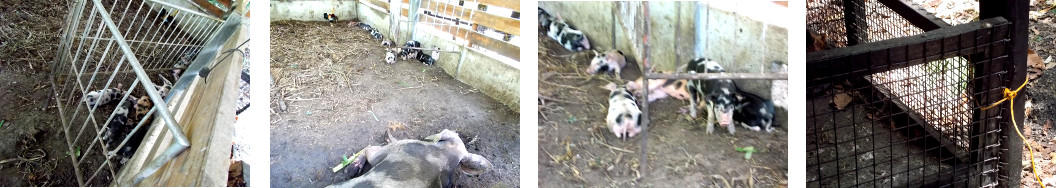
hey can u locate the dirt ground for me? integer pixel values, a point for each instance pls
(577, 150)
(1042, 95)
(32, 146)
(333, 95)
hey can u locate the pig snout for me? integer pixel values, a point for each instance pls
(632, 129)
(724, 118)
(618, 131)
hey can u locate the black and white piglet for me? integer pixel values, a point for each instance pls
(717, 95)
(408, 53)
(377, 35)
(428, 59)
(102, 96)
(116, 129)
(624, 117)
(754, 112)
(390, 55)
(567, 36)
(415, 163)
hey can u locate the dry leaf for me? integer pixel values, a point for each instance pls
(1028, 108)
(1048, 63)
(841, 100)
(1034, 64)
(1026, 130)
(1048, 125)
(396, 125)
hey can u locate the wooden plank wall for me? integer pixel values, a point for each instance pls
(496, 22)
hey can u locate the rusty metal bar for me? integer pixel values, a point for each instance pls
(643, 165)
(715, 76)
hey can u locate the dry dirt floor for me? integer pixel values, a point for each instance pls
(333, 95)
(577, 150)
(32, 146)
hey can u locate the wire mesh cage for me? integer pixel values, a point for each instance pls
(908, 112)
(114, 52)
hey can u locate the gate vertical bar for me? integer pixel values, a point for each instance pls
(642, 166)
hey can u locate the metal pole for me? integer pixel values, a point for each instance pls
(645, 92)
(181, 143)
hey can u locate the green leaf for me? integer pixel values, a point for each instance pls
(1, 123)
(401, 83)
(571, 119)
(747, 151)
(423, 69)
(78, 152)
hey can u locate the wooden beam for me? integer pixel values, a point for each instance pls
(379, 3)
(226, 3)
(209, 7)
(503, 48)
(474, 38)
(515, 5)
(504, 24)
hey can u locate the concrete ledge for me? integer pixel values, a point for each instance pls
(293, 10)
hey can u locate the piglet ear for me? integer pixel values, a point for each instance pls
(610, 86)
(474, 164)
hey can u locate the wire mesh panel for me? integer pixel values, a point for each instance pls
(116, 59)
(869, 20)
(907, 111)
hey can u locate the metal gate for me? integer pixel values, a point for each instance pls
(131, 46)
(901, 102)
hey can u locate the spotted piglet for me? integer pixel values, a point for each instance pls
(611, 61)
(114, 131)
(660, 89)
(103, 96)
(390, 55)
(754, 112)
(428, 59)
(415, 163)
(408, 53)
(624, 117)
(716, 95)
(557, 29)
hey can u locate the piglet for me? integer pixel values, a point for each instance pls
(624, 117)
(611, 61)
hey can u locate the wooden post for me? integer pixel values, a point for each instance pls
(852, 20)
(1014, 11)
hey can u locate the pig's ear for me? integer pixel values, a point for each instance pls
(611, 86)
(474, 164)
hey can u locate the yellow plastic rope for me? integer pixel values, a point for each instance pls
(1010, 96)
